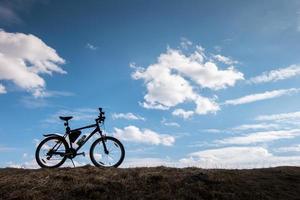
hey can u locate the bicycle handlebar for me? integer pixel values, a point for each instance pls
(101, 117)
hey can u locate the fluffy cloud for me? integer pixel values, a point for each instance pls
(225, 60)
(276, 75)
(238, 157)
(261, 137)
(173, 78)
(128, 116)
(185, 43)
(206, 105)
(134, 134)
(228, 158)
(262, 96)
(183, 113)
(23, 58)
(197, 67)
(2, 89)
(164, 90)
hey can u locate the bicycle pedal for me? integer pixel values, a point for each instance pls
(81, 154)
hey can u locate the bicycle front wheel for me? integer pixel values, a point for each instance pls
(112, 158)
(51, 152)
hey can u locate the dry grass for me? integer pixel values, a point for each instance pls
(149, 183)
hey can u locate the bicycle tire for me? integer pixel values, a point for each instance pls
(92, 157)
(37, 152)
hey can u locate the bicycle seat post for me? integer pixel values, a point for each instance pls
(66, 119)
(67, 126)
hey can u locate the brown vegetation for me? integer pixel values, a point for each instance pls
(149, 183)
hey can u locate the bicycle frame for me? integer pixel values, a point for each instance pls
(68, 131)
(97, 129)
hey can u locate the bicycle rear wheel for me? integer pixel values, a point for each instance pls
(51, 152)
(113, 158)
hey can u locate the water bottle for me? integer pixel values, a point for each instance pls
(81, 140)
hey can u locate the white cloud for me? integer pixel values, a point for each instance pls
(263, 126)
(171, 80)
(276, 75)
(262, 96)
(27, 164)
(261, 137)
(54, 93)
(206, 105)
(166, 123)
(185, 43)
(133, 65)
(148, 162)
(153, 106)
(282, 117)
(247, 127)
(238, 157)
(91, 46)
(128, 116)
(228, 158)
(164, 89)
(183, 113)
(196, 66)
(212, 130)
(2, 89)
(134, 134)
(225, 60)
(32, 164)
(171, 124)
(295, 148)
(23, 58)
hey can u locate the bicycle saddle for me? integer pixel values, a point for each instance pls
(65, 118)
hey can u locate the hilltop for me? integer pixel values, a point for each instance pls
(149, 183)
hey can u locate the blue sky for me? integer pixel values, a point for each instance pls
(183, 83)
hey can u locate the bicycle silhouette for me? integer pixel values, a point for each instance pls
(53, 151)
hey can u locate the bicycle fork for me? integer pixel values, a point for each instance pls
(103, 142)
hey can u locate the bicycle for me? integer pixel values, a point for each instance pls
(105, 151)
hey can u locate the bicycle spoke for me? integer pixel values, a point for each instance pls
(52, 152)
(110, 159)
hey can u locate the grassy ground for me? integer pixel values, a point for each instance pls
(88, 182)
